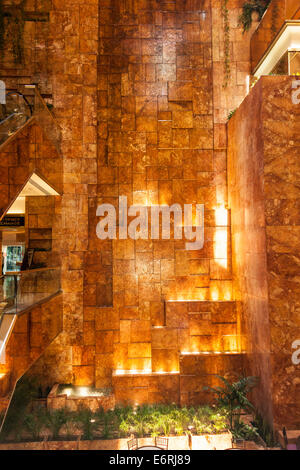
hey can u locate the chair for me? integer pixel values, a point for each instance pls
(162, 442)
(132, 444)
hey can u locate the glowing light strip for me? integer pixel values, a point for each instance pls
(207, 353)
(121, 372)
(287, 38)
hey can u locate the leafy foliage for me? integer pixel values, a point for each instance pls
(140, 421)
(265, 430)
(227, 70)
(231, 113)
(33, 423)
(244, 431)
(249, 7)
(87, 422)
(55, 420)
(233, 397)
(210, 420)
(26, 390)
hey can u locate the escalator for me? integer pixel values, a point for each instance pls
(14, 114)
(20, 292)
(7, 312)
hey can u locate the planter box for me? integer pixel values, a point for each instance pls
(205, 442)
(212, 441)
(175, 443)
(56, 401)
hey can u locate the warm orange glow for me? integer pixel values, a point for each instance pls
(214, 294)
(221, 215)
(221, 237)
(220, 245)
(233, 344)
(205, 353)
(227, 295)
(132, 372)
(143, 372)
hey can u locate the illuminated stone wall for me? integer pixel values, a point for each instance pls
(264, 200)
(278, 12)
(162, 140)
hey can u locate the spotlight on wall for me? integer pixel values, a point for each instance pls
(221, 215)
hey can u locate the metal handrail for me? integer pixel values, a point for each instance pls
(26, 271)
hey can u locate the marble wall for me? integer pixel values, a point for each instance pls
(263, 181)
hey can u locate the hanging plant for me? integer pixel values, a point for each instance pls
(250, 7)
(227, 70)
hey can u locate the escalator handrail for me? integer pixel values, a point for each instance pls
(24, 98)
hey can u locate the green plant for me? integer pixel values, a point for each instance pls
(141, 420)
(25, 391)
(265, 430)
(71, 425)
(33, 423)
(181, 419)
(244, 431)
(231, 113)
(123, 422)
(233, 397)
(108, 420)
(227, 70)
(87, 422)
(209, 420)
(55, 420)
(249, 7)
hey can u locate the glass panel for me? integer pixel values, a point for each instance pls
(19, 108)
(294, 62)
(14, 257)
(47, 120)
(36, 285)
(8, 286)
(13, 114)
(282, 66)
(22, 290)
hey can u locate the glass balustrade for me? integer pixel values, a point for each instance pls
(19, 108)
(22, 290)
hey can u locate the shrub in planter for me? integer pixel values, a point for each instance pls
(55, 420)
(265, 431)
(33, 423)
(87, 422)
(232, 397)
(208, 420)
